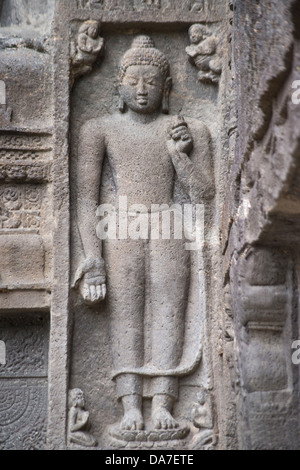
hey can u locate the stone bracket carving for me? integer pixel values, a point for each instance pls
(85, 48)
(203, 53)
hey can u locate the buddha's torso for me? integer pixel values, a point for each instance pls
(141, 166)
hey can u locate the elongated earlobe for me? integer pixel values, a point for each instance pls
(166, 96)
(122, 105)
(165, 103)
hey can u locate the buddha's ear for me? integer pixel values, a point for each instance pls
(167, 89)
(122, 105)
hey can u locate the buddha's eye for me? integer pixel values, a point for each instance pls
(132, 82)
(150, 81)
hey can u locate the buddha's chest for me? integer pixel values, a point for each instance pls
(139, 149)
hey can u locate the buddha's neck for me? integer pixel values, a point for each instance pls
(142, 118)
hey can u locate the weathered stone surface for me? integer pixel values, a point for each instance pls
(23, 395)
(263, 220)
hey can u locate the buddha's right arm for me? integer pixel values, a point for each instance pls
(90, 275)
(91, 151)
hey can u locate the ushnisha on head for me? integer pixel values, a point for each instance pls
(144, 52)
(144, 81)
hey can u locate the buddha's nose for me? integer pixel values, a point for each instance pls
(141, 89)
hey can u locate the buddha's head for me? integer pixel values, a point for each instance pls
(145, 83)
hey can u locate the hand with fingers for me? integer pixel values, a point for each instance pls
(91, 279)
(179, 138)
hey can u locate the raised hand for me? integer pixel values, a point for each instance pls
(179, 138)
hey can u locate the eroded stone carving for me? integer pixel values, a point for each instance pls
(264, 304)
(20, 207)
(202, 412)
(23, 382)
(37, 172)
(203, 54)
(145, 151)
(79, 425)
(86, 49)
(24, 142)
(118, 4)
(25, 157)
(23, 416)
(194, 6)
(203, 420)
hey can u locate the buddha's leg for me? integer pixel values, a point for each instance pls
(169, 284)
(125, 293)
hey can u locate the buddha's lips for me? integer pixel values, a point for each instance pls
(142, 100)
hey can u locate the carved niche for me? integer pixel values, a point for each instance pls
(155, 318)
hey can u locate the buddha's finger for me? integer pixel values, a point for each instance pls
(93, 292)
(179, 129)
(103, 291)
(86, 292)
(98, 292)
(186, 137)
(176, 135)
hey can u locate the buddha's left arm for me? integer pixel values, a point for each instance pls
(202, 183)
(193, 162)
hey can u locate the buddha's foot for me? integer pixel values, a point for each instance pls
(132, 421)
(162, 419)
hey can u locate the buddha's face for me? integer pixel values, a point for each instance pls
(142, 88)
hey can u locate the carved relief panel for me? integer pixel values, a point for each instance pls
(202, 6)
(137, 300)
(25, 171)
